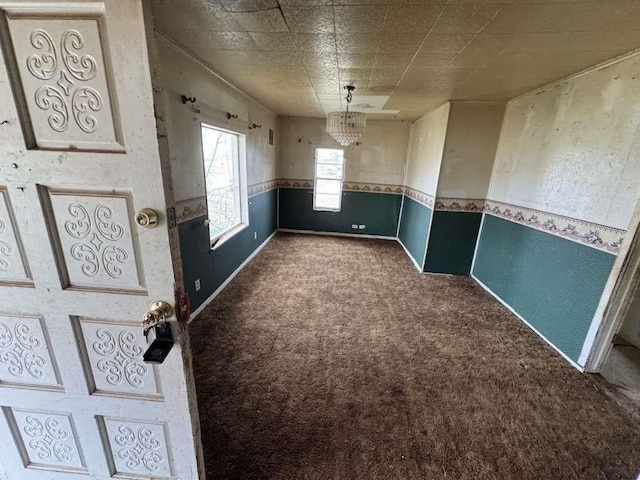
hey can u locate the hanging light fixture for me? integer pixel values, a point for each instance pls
(346, 127)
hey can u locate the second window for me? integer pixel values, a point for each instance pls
(328, 177)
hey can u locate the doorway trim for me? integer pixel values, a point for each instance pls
(623, 284)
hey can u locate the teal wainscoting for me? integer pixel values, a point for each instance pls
(379, 212)
(414, 228)
(553, 283)
(213, 267)
(452, 242)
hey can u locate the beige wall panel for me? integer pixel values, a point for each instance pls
(181, 75)
(425, 150)
(473, 132)
(574, 149)
(380, 158)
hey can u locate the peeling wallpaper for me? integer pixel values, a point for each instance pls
(574, 149)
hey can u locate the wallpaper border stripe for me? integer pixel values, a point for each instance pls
(451, 204)
(595, 235)
(346, 186)
(421, 197)
(195, 207)
(191, 208)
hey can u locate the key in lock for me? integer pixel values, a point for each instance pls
(157, 331)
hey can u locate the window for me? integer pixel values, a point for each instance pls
(225, 180)
(327, 191)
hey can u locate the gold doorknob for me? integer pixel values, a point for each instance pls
(159, 311)
(147, 218)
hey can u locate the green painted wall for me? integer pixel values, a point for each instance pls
(213, 267)
(555, 284)
(379, 212)
(414, 228)
(452, 242)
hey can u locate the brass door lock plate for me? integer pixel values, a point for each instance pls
(147, 218)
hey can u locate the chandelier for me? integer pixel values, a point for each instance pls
(346, 127)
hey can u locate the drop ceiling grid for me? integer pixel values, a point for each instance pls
(295, 55)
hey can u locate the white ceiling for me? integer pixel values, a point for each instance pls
(296, 55)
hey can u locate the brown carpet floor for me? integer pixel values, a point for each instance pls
(332, 358)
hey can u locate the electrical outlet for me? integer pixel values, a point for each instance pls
(197, 284)
(354, 226)
(362, 227)
(255, 235)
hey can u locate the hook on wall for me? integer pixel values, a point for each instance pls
(231, 115)
(186, 99)
(255, 125)
(4, 122)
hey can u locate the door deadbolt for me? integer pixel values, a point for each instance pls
(147, 218)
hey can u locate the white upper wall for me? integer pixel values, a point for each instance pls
(380, 157)
(425, 150)
(574, 149)
(181, 75)
(473, 132)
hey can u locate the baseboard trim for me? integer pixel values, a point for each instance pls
(198, 310)
(413, 260)
(336, 234)
(508, 307)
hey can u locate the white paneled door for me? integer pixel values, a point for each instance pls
(78, 157)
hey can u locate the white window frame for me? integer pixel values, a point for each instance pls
(241, 187)
(315, 179)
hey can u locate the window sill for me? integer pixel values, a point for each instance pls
(332, 210)
(226, 236)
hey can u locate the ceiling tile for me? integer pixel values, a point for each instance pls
(357, 42)
(392, 60)
(359, 19)
(247, 5)
(400, 43)
(361, 2)
(306, 3)
(386, 75)
(437, 43)
(301, 42)
(329, 72)
(309, 19)
(262, 21)
(255, 57)
(465, 18)
(321, 59)
(604, 16)
(563, 41)
(411, 18)
(355, 60)
(214, 40)
(433, 59)
(380, 89)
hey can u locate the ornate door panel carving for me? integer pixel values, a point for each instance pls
(76, 273)
(113, 358)
(25, 353)
(95, 240)
(64, 82)
(46, 440)
(137, 448)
